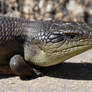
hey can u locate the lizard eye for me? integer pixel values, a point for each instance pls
(71, 35)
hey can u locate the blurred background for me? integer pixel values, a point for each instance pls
(75, 75)
(75, 10)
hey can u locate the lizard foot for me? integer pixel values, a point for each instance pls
(20, 67)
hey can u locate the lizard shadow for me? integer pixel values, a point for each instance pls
(74, 71)
(2, 76)
(66, 70)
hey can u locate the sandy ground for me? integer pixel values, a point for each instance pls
(74, 75)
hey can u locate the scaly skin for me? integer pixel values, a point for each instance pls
(43, 43)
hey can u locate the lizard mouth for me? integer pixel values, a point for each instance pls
(78, 47)
(81, 44)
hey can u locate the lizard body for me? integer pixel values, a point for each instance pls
(43, 43)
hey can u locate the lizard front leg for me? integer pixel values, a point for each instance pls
(20, 67)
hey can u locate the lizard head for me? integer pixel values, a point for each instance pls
(61, 42)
